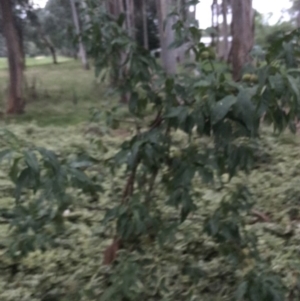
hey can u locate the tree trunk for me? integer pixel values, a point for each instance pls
(145, 24)
(298, 19)
(166, 34)
(223, 48)
(48, 43)
(82, 52)
(184, 16)
(51, 49)
(130, 18)
(213, 22)
(242, 35)
(115, 8)
(19, 28)
(15, 102)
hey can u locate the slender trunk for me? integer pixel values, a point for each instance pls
(15, 102)
(18, 24)
(118, 73)
(166, 34)
(184, 16)
(130, 20)
(132, 14)
(145, 24)
(213, 22)
(125, 97)
(115, 8)
(242, 35)
(298, 19)
(47, 42)
(223, 42)
(225, 29)
(51, 49)
(217, 25)
(82, 52)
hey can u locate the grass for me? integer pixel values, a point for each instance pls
(57, 94)
(37, 61)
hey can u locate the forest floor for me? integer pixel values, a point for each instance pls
(59, 102)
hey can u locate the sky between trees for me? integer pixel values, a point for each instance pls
(266, 7)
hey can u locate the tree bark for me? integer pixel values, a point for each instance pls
(52, 50)
(242, 35)
(19, 28)
(48, 43)
(82, 52)
(223, 49)
(145, 24)
(130, 18)
(115, 8)
(166, 34)
(15, 102)
(298, 19)
(213, 22)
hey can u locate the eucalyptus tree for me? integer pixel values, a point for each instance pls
(15, 97)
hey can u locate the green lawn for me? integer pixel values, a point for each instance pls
(57, 94)
(30, 62)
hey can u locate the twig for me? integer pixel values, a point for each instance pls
(262, 216)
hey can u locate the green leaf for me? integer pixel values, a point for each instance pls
(241, 291)
(4, 154)
(222, 107)
(50, 157)
(294, 86)
(22, 181)
(14, 170)
(31, 161)
(180, 112)
(245, 111)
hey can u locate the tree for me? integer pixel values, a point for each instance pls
(242, 35)
(130, 17)
(34, 19)
(215, 23)
(145, 25)
(82, 52)
(188, 17)
(167, 35)
(223, 49)
(19, 24)
(56, 21)
(295, 12)
(15, 102)
(266, 33)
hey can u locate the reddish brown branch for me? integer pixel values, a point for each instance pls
(110, 252)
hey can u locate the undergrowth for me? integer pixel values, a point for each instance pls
(188, 265)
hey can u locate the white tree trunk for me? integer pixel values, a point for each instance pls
(82, 52)
(130, 22)
(167, 35)
(223, 46)
(242, 35)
